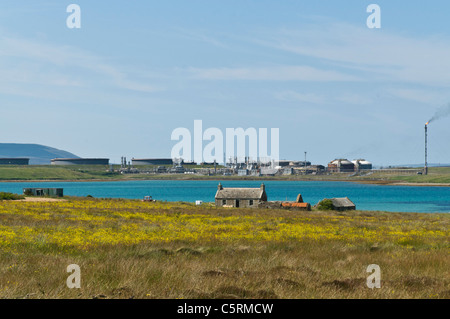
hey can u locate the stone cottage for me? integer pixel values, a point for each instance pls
(240, 197)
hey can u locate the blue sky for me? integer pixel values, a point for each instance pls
(136, 70)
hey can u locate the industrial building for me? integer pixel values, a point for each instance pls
(243, 172)
(192, 163)
(80, 161)
(240, 197)
(151, 161)
(312, 169)
(341, 166)
(362, 164)
(283, 163)
(268, 171)
(14, 161)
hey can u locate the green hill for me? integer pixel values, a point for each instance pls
(38, 154)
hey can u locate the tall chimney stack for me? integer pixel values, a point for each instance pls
(426, 149)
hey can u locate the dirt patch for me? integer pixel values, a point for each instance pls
(418, 282)
(155, 253)
(42, 199)
(279, 269)
(421, 184)
(346, 284)
(288, 283)
(188, 251)
(243, 293)
(234, 292)
(123, 292)
(213, 273)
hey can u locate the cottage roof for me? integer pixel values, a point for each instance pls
(342, 202)
(240, 193)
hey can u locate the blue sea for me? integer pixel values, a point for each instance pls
(365, 196)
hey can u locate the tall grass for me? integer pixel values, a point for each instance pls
(131, 249)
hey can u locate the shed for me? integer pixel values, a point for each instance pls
(342, 203)
(14, 161)
(297, 205)
(240, 197)
(58, 192)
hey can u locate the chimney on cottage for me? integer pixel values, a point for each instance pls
(219, 187)
(263, 187)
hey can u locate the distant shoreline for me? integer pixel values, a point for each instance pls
(373, 182)
(396, 183)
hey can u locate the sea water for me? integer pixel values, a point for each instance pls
(431, 199)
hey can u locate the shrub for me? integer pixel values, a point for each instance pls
(325, 204)
(10, 196)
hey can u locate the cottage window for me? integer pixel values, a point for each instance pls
(224, 202)
(250, 202)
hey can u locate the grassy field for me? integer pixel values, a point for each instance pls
(435, 175)
(131, 249)
(48, 172)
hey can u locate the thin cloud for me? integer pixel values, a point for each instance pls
(379, 54)
(291, 96)
(279, 73)
(313, 98)
(352, 98)
(201, 36)
(49, 64)
(418, 95)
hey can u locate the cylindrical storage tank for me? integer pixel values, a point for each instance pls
(152, 161)
(365, 165)
(346, 165)
(80, 161)
(362, 164)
